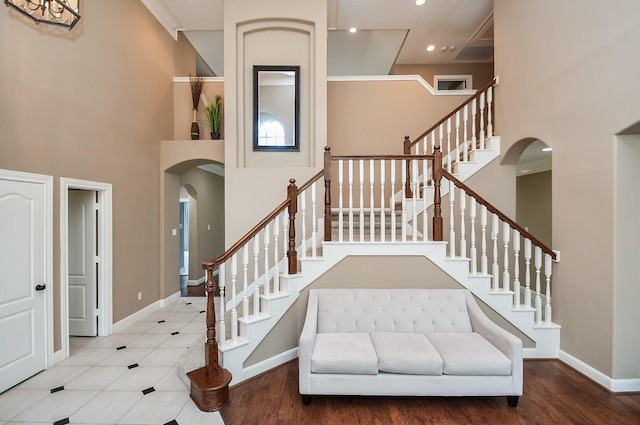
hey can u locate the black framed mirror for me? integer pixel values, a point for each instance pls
(276, 108)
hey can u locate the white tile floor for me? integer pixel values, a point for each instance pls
(103, 385)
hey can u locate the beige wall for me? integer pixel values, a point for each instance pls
(565, 82)
(533, 204)
(373, 117)
(93, 104)
(482, 72)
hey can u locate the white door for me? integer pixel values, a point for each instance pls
(22, 281)
(83, 288)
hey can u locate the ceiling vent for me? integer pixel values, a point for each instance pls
(475, 53)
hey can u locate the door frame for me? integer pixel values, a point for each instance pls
(105, 243)
(47, 182)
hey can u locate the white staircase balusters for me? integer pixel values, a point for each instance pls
(414, 197)
(222, 280)
(452, 221)
(425, 205)
(465, 121)
(276, 257)
(245, 281)
(234, 311)
(489, 113)
(256, 274)
(285, 233)
(433, 141)
(303, 223)
(372, 215)
(506, 277)
(314, 224)
(382, 206)
(449, 153)
(403, 175)
(361, 199)
(527, 273)
(495, 270)
(483, 240)
(457, 149)
(516, 268)
(463, 230)
(392, 176)
(482, 134)
(340, 205)
(547, 273)
(350, 200)
(473, 253)
(474, 108)
(267, 231)
(538, 265)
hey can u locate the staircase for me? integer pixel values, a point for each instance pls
(388, 206)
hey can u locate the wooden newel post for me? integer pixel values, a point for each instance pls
(327, 193)
(408, 193)
(437, 201)
(210, 383)
(292, 255)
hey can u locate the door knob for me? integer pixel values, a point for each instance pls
(40, 287)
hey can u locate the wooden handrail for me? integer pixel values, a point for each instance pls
(258, 227)
(408, 146)
(496, 211)
(365, 157)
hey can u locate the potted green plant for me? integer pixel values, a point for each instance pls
(213, 110)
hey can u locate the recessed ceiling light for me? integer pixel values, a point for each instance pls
(419, 2)
(353, 29)
(431, 48)
(546, 149)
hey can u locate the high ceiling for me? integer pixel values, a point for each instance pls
(388, 32)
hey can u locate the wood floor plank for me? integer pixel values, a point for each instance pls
(554, 394)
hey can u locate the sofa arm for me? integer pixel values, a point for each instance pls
(307, 339)
(503, 340)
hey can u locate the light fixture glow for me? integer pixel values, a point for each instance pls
(431, 48)
(546, 149)
(353, 29)
(65, 13)
(419, 2)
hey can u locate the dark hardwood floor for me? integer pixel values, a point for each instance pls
(553, 394)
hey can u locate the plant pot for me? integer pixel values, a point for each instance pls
(215, 136)
(195, 128)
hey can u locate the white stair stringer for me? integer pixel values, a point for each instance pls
(253, 331)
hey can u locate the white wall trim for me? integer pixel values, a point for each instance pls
(613, 385)
(269, 363)
(47, 182)
(132, 318)
(205, 79)
(105, 248)
(418, 78)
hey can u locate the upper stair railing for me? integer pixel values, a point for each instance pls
(459, 133)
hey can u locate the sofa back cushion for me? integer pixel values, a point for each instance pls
(392, 310)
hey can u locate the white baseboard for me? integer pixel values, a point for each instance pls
(269, 363)
(613, 385)
(58, 356)
(196, 282)
(171, 298)
(120, 325)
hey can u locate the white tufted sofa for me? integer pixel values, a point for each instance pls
(405, 342)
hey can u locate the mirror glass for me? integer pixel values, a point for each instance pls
(276, 108)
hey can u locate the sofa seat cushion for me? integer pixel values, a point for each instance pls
(406, 353)
(469, 353)
(349, 353)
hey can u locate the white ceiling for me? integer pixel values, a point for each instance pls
(389, 31)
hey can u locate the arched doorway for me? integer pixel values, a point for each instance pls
(534, 189)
